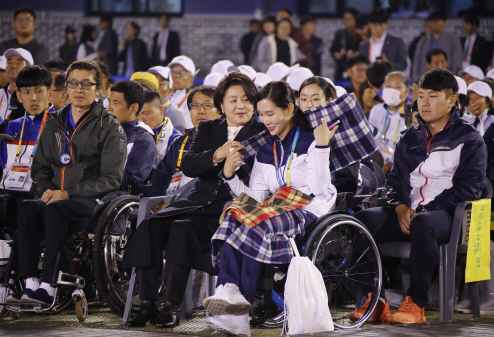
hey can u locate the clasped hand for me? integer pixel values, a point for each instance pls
(50, 196)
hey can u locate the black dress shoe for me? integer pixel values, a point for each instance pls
(169, 316)
(147, 312)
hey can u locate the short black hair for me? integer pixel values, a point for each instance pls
(91, 66)
(164, 15)
(357, 60)
(87, 33)
(254, 22)
(434, 52)
(437, 15)
(33, 76)
(150, 96)
(306, 19)
(59, 83)
(235, 78)
(326, 87)
(132, 93)
(378, 15)
(270, 18)
(361, 21)
(107, 18)
(207, 90)
(283, 20)
(284, 9)
(352, 11)
(56, 65)
(27, 10)
(136, 26)
(474, 20)
(439, 80)
(377, 71)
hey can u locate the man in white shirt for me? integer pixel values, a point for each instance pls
(166, 43)
(17, 59)
(381, 45)
(183, 71)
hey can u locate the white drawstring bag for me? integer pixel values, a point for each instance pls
(306, 300)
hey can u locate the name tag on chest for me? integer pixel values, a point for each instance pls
(17, 176)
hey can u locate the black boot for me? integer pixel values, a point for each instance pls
(169, 316)
(147, 312)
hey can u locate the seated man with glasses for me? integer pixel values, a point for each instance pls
(183, 71)
(126, 101)
(168, 176)
(163, 128)
(80, 158)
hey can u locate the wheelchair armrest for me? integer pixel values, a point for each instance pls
(145, 206)
(140, 189)
(344, 201)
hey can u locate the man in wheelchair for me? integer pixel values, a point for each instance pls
(438, 163)
(126, 101)
(80, 157)
(16, 158)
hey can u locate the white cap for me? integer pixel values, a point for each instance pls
(339, 90)
(185, 62)
(462, 85)
(490, 74)
(298, 76)
(3, 62)
(163, 72)
(473, 71)
(329, 81)
(22, 53)
(278, 71)
(249, 71)
(213, 79)
(262, 79)
(481, 88)
(221, 67)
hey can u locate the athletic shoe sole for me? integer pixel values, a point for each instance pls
(223, 307)
(12, 300)
(419, 320)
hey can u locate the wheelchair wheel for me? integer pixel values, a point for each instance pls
(113, 231)
(340, 246)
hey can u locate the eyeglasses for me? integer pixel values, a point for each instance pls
(84, 85)
(179, 73)
(206, 106)
(26, 20)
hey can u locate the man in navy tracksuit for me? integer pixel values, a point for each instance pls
(126, 101)
(33, 83)
(438, 163)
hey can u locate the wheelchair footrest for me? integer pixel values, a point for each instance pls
(70, 280)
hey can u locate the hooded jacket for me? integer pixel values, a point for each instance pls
(98, 151)
(438, 171)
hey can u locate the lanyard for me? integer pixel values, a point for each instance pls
(42, 126)
(20, 139)
(165, 105)
(386, 124)
(165, 120)
(179, 161)
(278, 177)
(182, 101)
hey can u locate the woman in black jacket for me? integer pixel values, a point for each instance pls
(134, 52)
(184, 229)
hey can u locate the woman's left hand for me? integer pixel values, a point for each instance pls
(323, 135)
(233, 160)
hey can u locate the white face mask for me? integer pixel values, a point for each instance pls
(391, 96)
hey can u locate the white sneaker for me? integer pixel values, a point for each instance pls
(227, 301)
(236, 325)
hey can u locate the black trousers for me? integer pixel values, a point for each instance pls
(57, 219)
(427, 231)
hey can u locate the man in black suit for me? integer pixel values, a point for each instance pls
(476, 50)
(166, 44)
(108, 47)
(382, 45)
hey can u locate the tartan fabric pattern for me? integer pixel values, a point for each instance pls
(265, 243)
(352, 142)
(249, 212)
(354, 139)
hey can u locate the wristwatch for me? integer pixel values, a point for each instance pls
(420, 209)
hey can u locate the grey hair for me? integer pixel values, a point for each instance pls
(403, 77)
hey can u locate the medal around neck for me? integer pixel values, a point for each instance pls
(65, 159)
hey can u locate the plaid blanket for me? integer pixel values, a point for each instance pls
(352, 142)
(249, 212)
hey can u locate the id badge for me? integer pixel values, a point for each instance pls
(387, 152)
(17, 176)
(175, 182)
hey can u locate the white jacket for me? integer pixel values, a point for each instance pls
(267, 53)
(309, 172)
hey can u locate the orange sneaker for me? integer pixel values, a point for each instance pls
(381, 312)
(408, 313)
